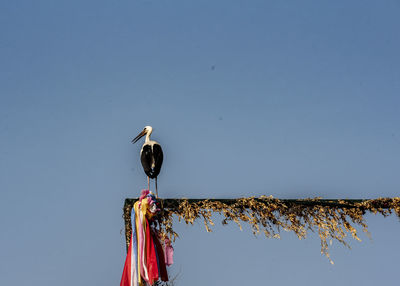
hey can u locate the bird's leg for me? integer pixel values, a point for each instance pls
(156, 189)
(148, 183)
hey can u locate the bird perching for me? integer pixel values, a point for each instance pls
(151, 155)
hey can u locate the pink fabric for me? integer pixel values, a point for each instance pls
(169, 252)
(144, 194)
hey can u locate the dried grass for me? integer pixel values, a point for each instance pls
(331, 219)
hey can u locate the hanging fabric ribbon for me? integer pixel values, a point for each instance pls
(129, 275)
(148, 253)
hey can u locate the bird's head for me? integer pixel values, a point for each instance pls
(146, 130)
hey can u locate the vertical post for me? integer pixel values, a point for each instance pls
(128, 223)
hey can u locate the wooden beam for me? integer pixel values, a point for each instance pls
(173, 203)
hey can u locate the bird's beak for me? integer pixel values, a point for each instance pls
(141, 134)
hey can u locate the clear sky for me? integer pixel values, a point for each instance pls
(293, 99)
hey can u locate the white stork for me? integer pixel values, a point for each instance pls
(151, 155)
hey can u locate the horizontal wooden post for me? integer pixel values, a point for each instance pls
(173, 204)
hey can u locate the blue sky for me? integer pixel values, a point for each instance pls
(292, 99)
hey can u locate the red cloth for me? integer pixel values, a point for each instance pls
(126, 279)
(151, 261)
(161, 258)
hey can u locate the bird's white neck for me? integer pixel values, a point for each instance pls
(148, 136)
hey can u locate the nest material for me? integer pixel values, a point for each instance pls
(332, 219)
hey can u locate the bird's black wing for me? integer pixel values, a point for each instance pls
(158, 159)
(146, 159)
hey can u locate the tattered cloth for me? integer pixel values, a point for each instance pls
(146, 260)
